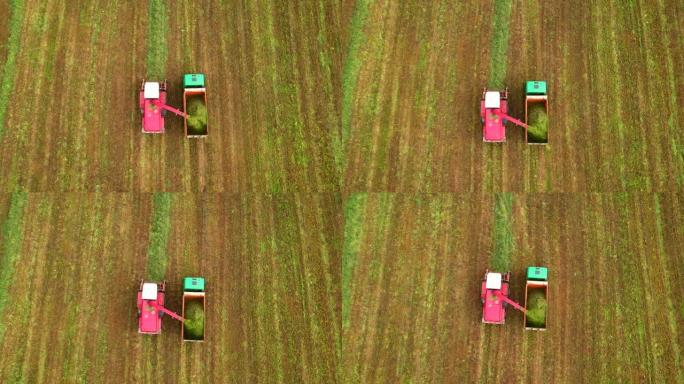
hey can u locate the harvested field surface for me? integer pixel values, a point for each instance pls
(67, 304)
(413, 265)
(70, 71)
(414, 80)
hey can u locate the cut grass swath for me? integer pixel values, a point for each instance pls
(157, 49)
(499, 46)
(350, 76)
(11, 247)
(503, 232)
(353, 222)
(159, 236)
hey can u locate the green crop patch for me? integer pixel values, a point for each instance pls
(157, 49)
(159, 236)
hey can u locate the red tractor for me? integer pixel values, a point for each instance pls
(494, 115)
(151, 307)
(494, 295)
(152, 101)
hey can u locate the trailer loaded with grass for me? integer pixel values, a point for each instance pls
(193, 309)
(195, 104)
(536, 296)
(536, 112)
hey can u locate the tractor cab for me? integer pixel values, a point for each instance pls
(494, 288)
(494, 294)
(151, 307)
(493, 108)
(152, 97)
(150, 298)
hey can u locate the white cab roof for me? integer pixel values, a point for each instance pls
(492, 99)
(151, 90)
(149, 291)
(493, 280)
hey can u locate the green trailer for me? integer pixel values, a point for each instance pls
(194, 305)
(536, 113)
(536, 299)
(195, 105)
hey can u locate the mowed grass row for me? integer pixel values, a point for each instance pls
(502, 233)
(350, 78)
(157, 259)
(499, 44)
(157, 47)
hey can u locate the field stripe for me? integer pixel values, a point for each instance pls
(12, 235)
(499, 44)
(157, 49)
(9, 70)
(666, 279)
(354, 211)
(160, 226)
(504, 245)
(350, 77)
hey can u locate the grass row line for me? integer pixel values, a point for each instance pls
(503, 232)
(350, 77)
(160, 228)
(11, 248)
(353, 223)
(499, 45)
(157, 49)
(9, 70)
